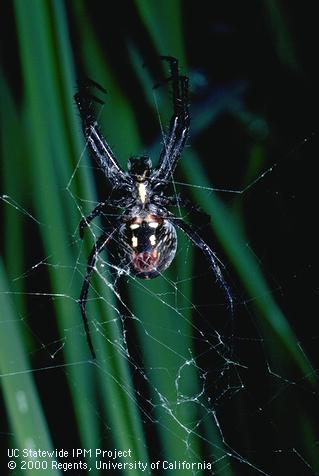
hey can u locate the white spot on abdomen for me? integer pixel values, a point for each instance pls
(153, 224)
(152, 240)
(134, 226)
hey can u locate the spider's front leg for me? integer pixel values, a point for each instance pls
(179, 125)
(98, 146)
(97, 249)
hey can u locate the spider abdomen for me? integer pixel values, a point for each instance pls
(152, 243)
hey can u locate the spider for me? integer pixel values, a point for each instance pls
(145, 230)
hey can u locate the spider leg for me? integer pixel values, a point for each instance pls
(110, 203)
(87, 220)
(183, 202)
(179, 125)
(99, 148)
(97, 249)
(210, 255)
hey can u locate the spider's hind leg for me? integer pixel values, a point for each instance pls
(97, 249)
(208, 253)
(87, 220)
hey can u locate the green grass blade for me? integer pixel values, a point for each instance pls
(48, 158)
(19, 390)
(230, 235)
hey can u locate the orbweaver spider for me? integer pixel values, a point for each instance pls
(146, 228)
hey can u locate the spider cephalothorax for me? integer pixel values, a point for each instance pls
(144, 232)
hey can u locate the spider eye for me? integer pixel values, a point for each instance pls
(152, 247)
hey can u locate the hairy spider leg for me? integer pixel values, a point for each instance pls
(97, 249)
(99, 209)
(179, 124)
(99, 148)
(182, 202)
(210, 255)
(87, 220)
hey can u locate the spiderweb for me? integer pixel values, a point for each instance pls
(194, 369)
